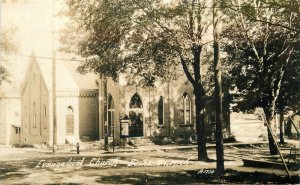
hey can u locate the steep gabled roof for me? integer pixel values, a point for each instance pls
(67, 76)
(87, 81)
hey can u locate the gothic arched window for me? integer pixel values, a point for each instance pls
(135, 102)
(70, 121)
(161, 111)
(186, 107)
(45, 117)
(34, 115)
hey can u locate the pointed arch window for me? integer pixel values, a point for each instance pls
(45, 117)
(186, 109)
(25, 116)
(135, 102)
(34, 115)
(161, 111)
(34, 77)
(70, 121)
(111, 104)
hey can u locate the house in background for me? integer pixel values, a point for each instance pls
(10, 115)
(76, 103)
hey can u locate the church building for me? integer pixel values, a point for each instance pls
(76, 103)
(90, 108)
(163, 110)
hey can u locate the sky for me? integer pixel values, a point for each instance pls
(36, 31)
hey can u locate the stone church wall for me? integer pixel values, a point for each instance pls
(172, 93)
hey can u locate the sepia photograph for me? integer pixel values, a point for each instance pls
(149, 92)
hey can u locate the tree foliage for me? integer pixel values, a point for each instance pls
(259, 81)
(286, 14)
(136, 37)
(7, 46)
(261, 54)
(143, 38)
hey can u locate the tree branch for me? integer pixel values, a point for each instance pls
(185, 69)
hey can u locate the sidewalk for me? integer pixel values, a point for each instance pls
(192, 146)
(118, 149)
(141, 148)
(10, 153)
(7, 153)
(180, 147)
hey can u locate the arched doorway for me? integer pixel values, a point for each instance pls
(136, 128)
(70, 121)
(110, 115)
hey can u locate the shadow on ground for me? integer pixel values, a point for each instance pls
(192, 177)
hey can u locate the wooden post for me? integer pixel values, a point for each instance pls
(54, 100)
(274, 138)
(54, 84)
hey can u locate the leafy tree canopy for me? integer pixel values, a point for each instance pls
(138, 37)
(151, 39)
(262, 55)
(286, 14)
(6, 47)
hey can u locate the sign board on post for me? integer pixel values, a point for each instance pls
(124, 126)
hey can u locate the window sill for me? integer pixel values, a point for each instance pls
(186, 125)
(161, 126)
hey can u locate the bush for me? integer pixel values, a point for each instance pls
(182, 140)
(230, 139)
(23, 146)
(161, 140)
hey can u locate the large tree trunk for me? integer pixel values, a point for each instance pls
(200, 125)
(226, 111)
(288, 129)
(272, 146)
(218, 96)
(275, 96)
(270, 120)
(199, 100)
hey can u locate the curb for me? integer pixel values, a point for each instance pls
(184, 147)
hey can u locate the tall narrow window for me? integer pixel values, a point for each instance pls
(110, 114)
(185, 109)
(187, 106)
(70, 121)
(25, 117)
(34, 77)
(161, 111)
(34, 115)
(45, 117)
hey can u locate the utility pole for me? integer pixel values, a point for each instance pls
(54, 100)
(54, 84)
